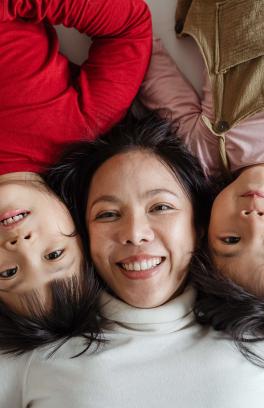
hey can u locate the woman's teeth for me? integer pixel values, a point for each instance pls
(142, 265)
(12, 220)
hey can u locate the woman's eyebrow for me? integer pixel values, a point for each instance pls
(113, 199)
(160, 191)
(105, 198)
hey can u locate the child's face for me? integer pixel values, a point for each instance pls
(34, 246)
(236, 230)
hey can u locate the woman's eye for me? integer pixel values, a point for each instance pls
(8, 273)
(230, 240)
(54, 254)
(161, 208)
(107, 216)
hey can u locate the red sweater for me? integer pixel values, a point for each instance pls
(42, 106)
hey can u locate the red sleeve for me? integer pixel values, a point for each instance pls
(118, 58)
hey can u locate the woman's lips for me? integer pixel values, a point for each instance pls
(11, 218)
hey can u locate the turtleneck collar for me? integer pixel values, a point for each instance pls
(172, 316)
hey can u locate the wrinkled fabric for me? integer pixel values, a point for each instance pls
(165, 87)
(42, 107)
(152, 358)
(230, 36)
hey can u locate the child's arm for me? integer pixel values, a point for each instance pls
(164, 87)
(118, 58)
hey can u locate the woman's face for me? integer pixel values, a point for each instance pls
(34, 248)
(236, 230)
(141, 228)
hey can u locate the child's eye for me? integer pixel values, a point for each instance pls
(231, 240)
(161, 208)
(107, 216)
(8, 273)
(54, 254)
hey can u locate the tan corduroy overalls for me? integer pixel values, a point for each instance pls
(230, 35)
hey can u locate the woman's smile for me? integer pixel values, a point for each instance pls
(141, 267)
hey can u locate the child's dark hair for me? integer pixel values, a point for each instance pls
(226, 306)
(73, 312)
(71, 177)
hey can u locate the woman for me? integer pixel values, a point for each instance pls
(77, 171)
(141, 196)
(45, 106)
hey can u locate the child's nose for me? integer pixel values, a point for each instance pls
(17, 240)
(253, 213)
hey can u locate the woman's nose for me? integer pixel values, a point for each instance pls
(136, 231)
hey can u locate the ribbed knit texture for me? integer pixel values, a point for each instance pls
(42, 108)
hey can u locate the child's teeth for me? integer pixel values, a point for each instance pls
(12, 220)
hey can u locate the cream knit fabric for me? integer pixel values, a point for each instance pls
(153, 358)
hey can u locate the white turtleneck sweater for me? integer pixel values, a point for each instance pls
(154, 358)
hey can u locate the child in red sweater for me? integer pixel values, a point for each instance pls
(43, 108)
